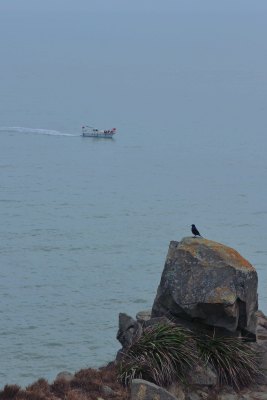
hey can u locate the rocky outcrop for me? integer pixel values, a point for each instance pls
(209, 283)
(204, 286)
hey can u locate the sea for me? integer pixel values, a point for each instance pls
(85, 222)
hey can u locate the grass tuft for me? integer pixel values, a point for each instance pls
(235, 361)
(165, 353)
(162, 354)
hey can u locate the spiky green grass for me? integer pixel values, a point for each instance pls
(235, 361)
(162, 354)
(165, 353)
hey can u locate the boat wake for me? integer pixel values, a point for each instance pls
(37, 131)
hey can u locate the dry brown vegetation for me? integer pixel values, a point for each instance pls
(87, 384)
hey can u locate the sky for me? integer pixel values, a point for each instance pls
(159, 63)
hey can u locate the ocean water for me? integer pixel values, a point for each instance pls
(86, 223)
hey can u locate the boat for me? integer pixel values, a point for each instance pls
(89, 131)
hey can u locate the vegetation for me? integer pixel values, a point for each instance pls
(234, 360)
(166, 352)
(162, 354)
(87, 384)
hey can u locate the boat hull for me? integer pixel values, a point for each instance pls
(99, 135)
(88, 131)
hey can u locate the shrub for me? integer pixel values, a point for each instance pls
(235, 361)
(9, 392)
(162, 354)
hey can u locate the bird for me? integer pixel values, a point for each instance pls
(195, 231)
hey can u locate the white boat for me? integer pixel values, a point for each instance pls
(89, 131)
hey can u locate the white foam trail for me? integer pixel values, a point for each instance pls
(38, 131)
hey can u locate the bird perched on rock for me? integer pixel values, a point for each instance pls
(195, 231)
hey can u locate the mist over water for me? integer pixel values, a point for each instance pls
(86, 223)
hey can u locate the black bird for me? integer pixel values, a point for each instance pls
(195, 231)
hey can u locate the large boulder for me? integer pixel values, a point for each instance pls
(208, 283)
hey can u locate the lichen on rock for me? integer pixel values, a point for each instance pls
(208, 283)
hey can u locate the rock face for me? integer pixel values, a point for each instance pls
(209, 283)
(128, 329)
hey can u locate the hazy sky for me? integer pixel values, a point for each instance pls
(196, 64)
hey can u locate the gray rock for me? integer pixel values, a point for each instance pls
(176, 390)
(262, 319)
(128, 330)
(261, 327)
(155, 321)
(193, 396)
(143, 316)
(261, 347)
(210, 283)
(202, 376)
(106, 390)
(144, 390)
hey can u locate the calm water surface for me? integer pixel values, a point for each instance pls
(86, 223)
(85, 227)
